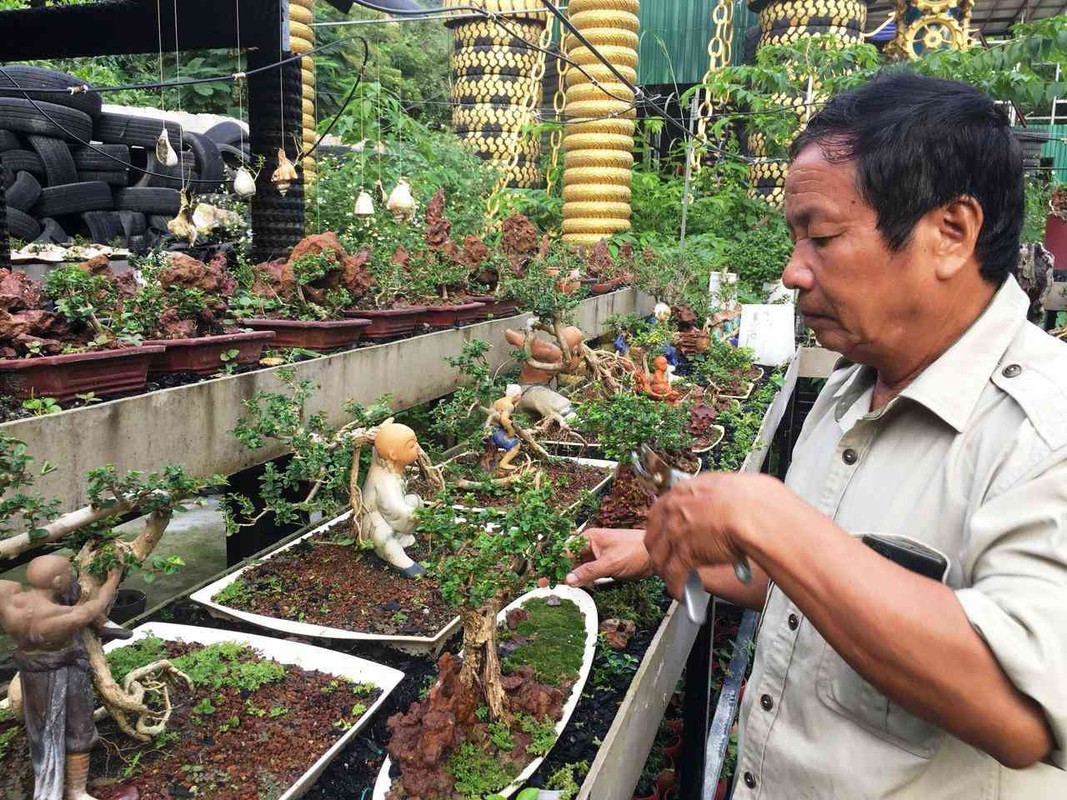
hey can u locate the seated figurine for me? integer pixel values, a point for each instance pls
(659, 385)
(387, 516)
(502, 434)
(545, 363)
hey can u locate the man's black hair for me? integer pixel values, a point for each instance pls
(920, 143)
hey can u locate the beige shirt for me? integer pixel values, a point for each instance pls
(970, 459)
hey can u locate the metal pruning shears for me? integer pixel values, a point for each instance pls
(660, 477)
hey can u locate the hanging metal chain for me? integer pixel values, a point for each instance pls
(720, 54)
(530, 115)
(559, 107)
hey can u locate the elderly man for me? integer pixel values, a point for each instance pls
(945, 425)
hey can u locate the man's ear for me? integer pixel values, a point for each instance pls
(956, 226)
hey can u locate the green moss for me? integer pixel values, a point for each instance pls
(214, 666)
(641, 602)
(556, 641)
(567, 779)
(542, 734)
(236, 592)
(124, 660)
(477, 773)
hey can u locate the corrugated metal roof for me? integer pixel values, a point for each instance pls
(674, 41)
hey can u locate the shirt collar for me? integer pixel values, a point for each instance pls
(952, 385)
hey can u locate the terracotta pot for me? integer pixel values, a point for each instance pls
(675, 726)
(1056, 240)
(445, 316)
(322, 336)
(389, 323)
(203, 354)
(721, 789)
(499, 309)
(64, 377)
(665, 783)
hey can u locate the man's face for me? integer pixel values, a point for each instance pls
(859, 298)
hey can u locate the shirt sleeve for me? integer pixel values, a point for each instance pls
(1017, 559)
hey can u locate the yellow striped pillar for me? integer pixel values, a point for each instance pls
(599, 137)
(302, 40)
(496, 85)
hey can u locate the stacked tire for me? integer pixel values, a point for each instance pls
(302, 40)
(494, 77)
(598, 140)
(65, 164)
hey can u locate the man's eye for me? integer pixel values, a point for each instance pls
(821, 241)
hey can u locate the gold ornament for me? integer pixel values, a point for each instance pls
(285, 174)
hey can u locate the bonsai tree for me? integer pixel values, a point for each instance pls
(325, 463)
(483, 558)
(722, 366)
(29, 521)
(623, 422)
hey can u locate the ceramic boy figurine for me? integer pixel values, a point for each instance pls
(502, 431)
(57, 694)
(536, 395)
(388, 513)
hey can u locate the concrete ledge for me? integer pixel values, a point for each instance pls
(189, 425)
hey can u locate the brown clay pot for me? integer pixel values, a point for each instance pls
(389, 323)
(64, 377)
(314, 335)
(445, 316)
(1056, 239)
(203, 354)
(665, 783)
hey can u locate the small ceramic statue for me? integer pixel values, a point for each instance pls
(53, 664)
(536, 395)
(502, 434)
(387, 517)
(659, 385)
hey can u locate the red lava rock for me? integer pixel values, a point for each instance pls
(515, 616)
(684, 317)
(352, 272)
(617, 632)
(437, 225)
(598, 260)
(97, 265)
(274, 278)
(18, 291)
(527, 695)
(519, 242)
(48, 347)
(626, 504)
(213, 279)
(173, 327)
(542, 583)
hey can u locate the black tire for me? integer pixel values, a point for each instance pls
(9, 141)
(158, 223)
(120, 179)
(89, 160)
(104, 226)
(59, 169)
(38, 78)
(23, 116)
(22, 226)
(74, 198)
(23, 161)
(160, 176)
(164, 202)
(138, 244)
(209, 163)
(24, 192)
(226, 133)
(141, 131)
(52, 232)
(133, 223)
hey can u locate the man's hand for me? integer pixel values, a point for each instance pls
(609, 553)
(694, 525)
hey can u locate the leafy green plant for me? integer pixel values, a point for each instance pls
(625, 421)
(567, 779)
(41, 406)
(760, 254)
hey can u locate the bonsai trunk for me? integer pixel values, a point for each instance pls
(481, 659)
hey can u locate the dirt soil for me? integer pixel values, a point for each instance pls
(343, 587)
(207, 754)
(740, 382)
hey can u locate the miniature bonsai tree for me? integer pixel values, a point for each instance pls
(324, 458)
(29, 521)
(483, 558)
(623, 422)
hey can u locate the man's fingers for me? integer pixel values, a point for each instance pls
(585, 574)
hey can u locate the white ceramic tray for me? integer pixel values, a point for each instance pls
(588, 608)
(411, 644)
(305, 656)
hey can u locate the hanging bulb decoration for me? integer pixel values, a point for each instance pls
(285, 174)
(364, 205)
(165, 154)
(400, 202)
(380, 148)
(244, 185)
(182, 226)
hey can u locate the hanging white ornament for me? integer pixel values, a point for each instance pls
(380, 148)
(285, 174)
(182, 225)
(244, 185)
(164, 152)
(400, 202)
(364, 205)
(662, 312)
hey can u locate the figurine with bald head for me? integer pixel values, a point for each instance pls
(56, 692)
(545, 362)
(387, 517)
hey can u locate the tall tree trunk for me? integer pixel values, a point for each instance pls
(481, 658)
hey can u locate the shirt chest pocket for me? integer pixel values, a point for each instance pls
(843, 690)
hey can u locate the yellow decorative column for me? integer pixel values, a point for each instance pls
(302, 40)
(925, 25)
(496, 85)
(598, 140)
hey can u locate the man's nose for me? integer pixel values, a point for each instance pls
(797, 274)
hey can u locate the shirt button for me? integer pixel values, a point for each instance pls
(794, 622)
(767, 702)
(850, 456)
(1011, 371)
(750, 780)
